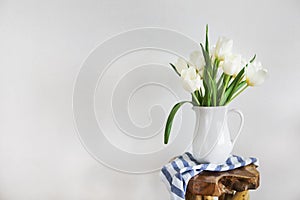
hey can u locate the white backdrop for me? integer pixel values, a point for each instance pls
(42, 47)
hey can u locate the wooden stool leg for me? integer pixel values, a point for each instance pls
(241, 195)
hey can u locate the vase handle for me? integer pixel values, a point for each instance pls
(241, 123)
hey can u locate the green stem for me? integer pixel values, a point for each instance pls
(195, 98)
(216, 66)
(220, 80)
(226, 78)
(226, 81)
(236, 94)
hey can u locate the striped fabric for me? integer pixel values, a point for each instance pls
(177, 174)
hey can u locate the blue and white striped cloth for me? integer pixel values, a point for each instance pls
(177, 174)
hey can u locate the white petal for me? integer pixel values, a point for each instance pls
(232, 64)
(250, 71)
(194, 56)
(223, 48)
(259, 77)
(190, 79)
(180, 65)
(228, 68)
(255, 74)
(197, 60)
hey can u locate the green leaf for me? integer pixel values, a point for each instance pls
(206, 101)
(209, 81)
(195, 99)
(171, 118)
(197, 93)
(236, 79)
(205, 97)
(253, 58)
(220, 81)
(240, 85)
(223, 99)
(214, 90)
(198, 96)
(206, 40)
(173, 66)
(207, 59)
(201, 96)
(232, 87)
(215, 68)
(223, 96)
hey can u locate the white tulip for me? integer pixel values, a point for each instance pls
(223, 48)
(197, 60)
(190, 79)
(232, 64)
(255, 74)
(180, 65)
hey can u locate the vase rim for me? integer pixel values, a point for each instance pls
(210, 107)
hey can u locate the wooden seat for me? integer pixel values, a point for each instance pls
(228, 185)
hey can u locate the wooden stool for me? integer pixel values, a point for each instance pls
(228, 185)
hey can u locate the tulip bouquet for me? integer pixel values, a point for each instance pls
(215, 76)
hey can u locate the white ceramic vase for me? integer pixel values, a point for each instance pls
(212, 141)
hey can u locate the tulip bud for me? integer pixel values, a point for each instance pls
(255, 74)
(197, 60)
(190, 79)
(223, 48)
(232, 64)
(180, 65)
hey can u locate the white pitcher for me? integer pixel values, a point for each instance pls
(212, 141)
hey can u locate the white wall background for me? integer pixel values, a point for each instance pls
(42, 45)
